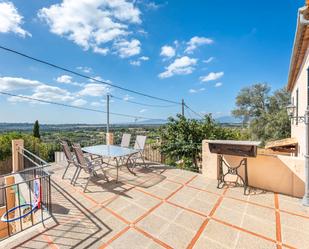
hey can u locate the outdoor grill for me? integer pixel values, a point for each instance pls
(241, 149)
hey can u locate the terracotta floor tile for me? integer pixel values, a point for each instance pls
(220, 233)
(262, 198)
(260, 226)
(131, 239)
(249, 241)
(190, 221)
(293, 205)
(176, 236)
(229, 215)
(82, 223)
(153, 224)
(167, 211)
(294, 237)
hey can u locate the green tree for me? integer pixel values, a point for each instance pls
(265, 113)
(36, 129)
(182, 139)
(251, 102)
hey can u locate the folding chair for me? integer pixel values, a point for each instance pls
(68, 155)
(125, 141)
(90, 167)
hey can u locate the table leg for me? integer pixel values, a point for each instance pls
(117, 168)
(232, 171)
(246, 183)
(127, 165)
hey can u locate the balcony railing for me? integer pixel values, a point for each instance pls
(25, 196)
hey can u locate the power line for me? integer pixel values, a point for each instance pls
(72, 106)
(196, 113)
(142, 104)
(188, 113)
(85, 76)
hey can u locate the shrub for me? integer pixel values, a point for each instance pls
(182, 139)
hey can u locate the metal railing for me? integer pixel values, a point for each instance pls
(25, 196)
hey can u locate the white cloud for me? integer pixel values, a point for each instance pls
(212, 76)
(64, 79)
(138, 62)
(144, 58)
(218, 84)
(180, 66)
(102, 51)
(153, 5)
(91, 24)
(143, 110)
(52, 93)
(196, 90)
(79, 102)
(195, 42)
(11, 20)
(127, 49)
(85, 69)
(97, 104)
(99, 78)
(16, 83)
(167, 51)
(210, 59)
(47, 93)
(135, 63)
(67, 79)
(127, 97)
(95, 90)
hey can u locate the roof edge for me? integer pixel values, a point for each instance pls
(300, 27)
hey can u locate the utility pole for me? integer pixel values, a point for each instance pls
(107, 113)
(183, 107)
(109, 135)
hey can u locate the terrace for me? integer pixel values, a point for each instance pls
(164, 207)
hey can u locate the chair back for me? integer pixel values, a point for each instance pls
(140, 142)
(67, 151)
(125, 141)
(79, 155)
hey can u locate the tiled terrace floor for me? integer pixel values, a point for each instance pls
(167, 208)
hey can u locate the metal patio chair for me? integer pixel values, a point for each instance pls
(89, 166)
(139, 146)
(125, 141)
(68, 155)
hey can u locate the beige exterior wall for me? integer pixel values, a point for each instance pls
(281, 174)
(298, 130)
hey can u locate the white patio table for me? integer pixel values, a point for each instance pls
(113, 152)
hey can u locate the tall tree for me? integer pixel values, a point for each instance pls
(265, 113)
(251, 102)
(36, 129)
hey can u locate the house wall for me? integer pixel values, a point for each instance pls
(298, 130)
(277, 173)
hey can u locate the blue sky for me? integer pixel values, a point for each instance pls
(203, 51)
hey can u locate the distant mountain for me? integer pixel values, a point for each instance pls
(151, 121)
(228, 120)
(148, 122)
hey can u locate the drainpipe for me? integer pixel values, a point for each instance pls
(305, 201)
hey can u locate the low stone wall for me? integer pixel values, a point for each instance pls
(277, 173)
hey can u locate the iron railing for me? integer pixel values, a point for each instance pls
(25, 196)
